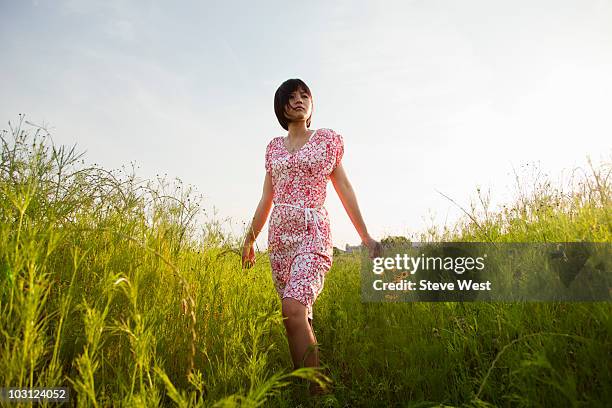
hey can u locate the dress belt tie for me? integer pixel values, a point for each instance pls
(310, 213)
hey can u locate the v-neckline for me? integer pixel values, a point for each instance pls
(304, 145)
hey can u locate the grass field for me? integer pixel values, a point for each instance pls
(114, 288)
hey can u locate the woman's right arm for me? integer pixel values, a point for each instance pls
(258, 221)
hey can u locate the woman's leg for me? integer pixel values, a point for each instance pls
(305, 283)
(302, 341)
(312, 329)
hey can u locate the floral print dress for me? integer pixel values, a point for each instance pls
(299, 237)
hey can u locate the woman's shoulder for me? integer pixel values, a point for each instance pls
(330, 136)
(273, 141)
(327, 132)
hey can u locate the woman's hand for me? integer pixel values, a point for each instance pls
(374, 247)
(248, 255)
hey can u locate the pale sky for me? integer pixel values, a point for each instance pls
(428, 95)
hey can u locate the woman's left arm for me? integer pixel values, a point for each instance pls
(347, 196)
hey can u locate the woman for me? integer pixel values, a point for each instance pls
(299, 239)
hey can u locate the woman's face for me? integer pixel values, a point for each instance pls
(299, 106)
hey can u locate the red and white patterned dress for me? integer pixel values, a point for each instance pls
(299, 237)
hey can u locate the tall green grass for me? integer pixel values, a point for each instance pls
(117, 288)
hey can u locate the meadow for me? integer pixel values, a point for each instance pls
(115, 287)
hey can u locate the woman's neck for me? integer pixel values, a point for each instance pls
(298, 131)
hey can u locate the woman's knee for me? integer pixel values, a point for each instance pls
(293, 310)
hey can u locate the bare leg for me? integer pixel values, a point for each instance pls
(302, 342)
(315, 389)
(313, 332)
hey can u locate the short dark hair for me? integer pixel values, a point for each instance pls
(281, 99)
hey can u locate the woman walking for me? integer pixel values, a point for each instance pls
(299, 237)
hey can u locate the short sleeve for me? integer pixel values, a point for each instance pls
(268, 163)
(338, 143)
